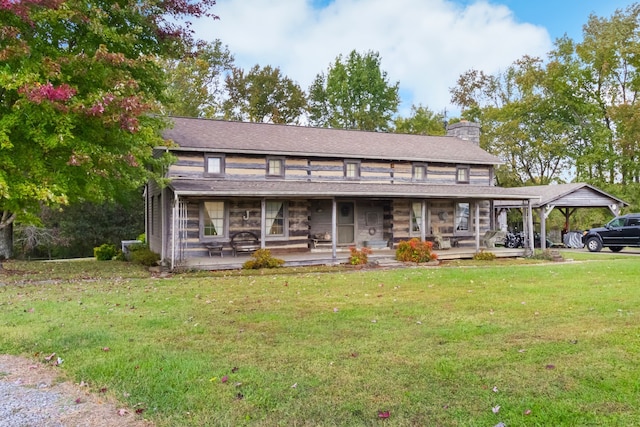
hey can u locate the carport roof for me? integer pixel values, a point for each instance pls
(574, 195)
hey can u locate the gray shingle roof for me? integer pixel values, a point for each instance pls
(262, 138)
(194, 187)
(550, 193)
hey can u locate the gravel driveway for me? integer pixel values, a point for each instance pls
(31, 395)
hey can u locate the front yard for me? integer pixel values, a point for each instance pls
(476, 344)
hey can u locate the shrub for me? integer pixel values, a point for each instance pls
(359, 257)
(262, 259)
(415, 250)
(484, 256)
(143, 255)
(105, 252)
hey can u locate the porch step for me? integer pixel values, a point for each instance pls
(555, 256)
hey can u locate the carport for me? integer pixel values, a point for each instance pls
(567, 198)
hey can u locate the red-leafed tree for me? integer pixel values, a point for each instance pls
(80, 82)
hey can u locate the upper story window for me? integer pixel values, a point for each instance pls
(462, 174)
(214, 164)
(352, 169)
(275, 166)
(419, 172)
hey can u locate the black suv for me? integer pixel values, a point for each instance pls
(616, 234)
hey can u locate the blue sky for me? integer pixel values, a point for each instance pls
(424, 44)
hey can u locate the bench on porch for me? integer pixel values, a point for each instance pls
(244, 241)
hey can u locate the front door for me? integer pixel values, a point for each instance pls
(346, 223)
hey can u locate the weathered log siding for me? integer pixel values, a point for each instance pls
(238, 167)
(402, 172)
(375, 172)
(321, 170)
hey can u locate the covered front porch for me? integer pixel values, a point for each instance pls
(384, 257)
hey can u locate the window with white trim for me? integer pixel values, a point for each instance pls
(275, 216)
(213, 219)
(463, 217)
(416, 218)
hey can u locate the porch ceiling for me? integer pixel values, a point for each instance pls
(278, 188)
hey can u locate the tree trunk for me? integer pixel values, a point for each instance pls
(6, 242)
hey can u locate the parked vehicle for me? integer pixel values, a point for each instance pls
(514, 240)
(616, 234)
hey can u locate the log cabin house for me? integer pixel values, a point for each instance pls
(304, 189)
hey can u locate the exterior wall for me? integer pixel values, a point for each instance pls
(154, 231)
(237, 167)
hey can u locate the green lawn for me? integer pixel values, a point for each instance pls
(550, 344)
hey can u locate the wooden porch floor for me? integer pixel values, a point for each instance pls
(381, 256)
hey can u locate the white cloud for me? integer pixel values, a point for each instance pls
(424, 44)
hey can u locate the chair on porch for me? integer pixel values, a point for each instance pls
(441, 242)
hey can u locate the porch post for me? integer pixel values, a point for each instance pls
(423, 225)
(174, 233)
(477, 225)
(263, 222)
(334, 227)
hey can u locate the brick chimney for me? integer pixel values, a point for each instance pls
(469, 131)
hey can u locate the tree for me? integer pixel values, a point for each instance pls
(79, 83)
(263, 95)
(522, 120)
(603, 79)
(421, 122)
(354, 94)
(196, 82)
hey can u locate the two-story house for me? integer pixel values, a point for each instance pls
(302, 189)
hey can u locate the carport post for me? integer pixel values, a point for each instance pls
(530, 225)
(543, 228)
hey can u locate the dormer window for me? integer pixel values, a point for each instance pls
(462, 174)
(419, 172)
(214, 165)
(352, 169)
(275, 167)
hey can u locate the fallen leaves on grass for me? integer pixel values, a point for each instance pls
(384, 414)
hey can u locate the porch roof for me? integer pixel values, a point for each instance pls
(206, 135)
(193, 187)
